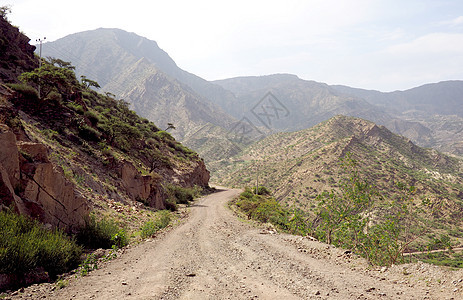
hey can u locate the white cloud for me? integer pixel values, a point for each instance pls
(435, 43)
(454, 22)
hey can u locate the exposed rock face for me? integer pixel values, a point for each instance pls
(43, 192)
(146, 188)
(199, 176)
(7, 195)
(9, 154)
(47, 186)
(16, 55)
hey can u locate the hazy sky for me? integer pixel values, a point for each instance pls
(375, 44)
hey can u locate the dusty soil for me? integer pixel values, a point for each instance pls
(215, 255)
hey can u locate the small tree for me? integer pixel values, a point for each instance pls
(170, 126)
(60, 63)
(89, 83)
(4, 11)
(50, 78)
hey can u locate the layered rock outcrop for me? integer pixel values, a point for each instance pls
(34, 186)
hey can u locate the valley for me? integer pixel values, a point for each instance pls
(110, 142)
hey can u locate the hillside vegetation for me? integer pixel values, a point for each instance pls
(302, 165)
(80, 168)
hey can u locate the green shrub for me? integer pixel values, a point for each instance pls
(163, 135)
(101, 234)
(77, 108)
(151, 227)
(54, 98)
(344, 219)
(92, 117)
(25, 245)
(24, 89)
(181, 195)
(262, 190)
(89, 133)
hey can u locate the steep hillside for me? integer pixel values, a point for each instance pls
(431, 115)
(68, 150)
(137, 70)
(16, 55)
(300, 165)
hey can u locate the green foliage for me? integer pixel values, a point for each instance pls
(163, 135)
(349, 219)
(60, 63)
(25, 245)
(51, 78)
(4, 11)
(151, 227)
(90, 263)
(89, 83)
(54, 98)
(101, 234)
(265, 208)
(92, 117)
(447, 258)
(25, 90)
(181, 195)
(262, 190)
(89, 133)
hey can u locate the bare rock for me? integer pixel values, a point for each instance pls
(38, 152)
(9, 154)
(48, 187)
(137, 185)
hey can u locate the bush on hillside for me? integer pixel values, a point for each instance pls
(25, 90)
(151, 227)
(26, 245)
(181, 195)
(102, 234)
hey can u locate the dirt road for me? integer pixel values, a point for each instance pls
(214, 255)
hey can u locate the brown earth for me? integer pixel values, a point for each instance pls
(214, 255)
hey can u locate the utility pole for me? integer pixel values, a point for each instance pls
(257, 178)
(40, 55)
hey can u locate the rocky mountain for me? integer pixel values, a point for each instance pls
(296, 103)
(68, 151)
(431, 115)
(137, 70)
(300, 165)
(443, 98)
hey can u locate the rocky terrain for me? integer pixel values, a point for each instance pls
(64, 150)
(16, 54)
(298, 166)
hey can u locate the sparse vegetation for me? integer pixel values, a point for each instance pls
(102, 233)
(26, 245)
(266, 209)
(161, 221)
(181, 195)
